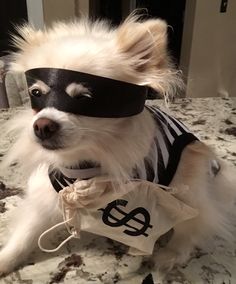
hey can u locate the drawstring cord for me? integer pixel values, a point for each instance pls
(73, 231)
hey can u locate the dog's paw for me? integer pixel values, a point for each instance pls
(4, 270)
(166, 259)
(6, 265)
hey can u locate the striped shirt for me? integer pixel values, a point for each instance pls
(170, 139)
(159, 166)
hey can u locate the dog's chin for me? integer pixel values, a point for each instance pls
(51, 145)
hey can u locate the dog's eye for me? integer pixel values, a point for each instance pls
(35, 92)
(78, 91)
(81, 95)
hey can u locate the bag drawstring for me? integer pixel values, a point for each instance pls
(73, 231)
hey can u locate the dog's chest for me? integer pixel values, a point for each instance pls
(159, 166)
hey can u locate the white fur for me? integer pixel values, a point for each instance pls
(135, 52)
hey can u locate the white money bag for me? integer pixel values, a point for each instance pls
(135, 213)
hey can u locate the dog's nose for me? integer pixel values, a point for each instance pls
(45, 128)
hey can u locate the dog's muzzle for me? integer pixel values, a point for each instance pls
(109, 98)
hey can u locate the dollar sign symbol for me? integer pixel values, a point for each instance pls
(127, 217)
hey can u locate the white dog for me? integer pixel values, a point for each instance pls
(51, 136)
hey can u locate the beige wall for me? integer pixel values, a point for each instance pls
(56, 10)
(45, 12)
(208, 56)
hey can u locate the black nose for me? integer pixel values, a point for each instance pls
(45, 128)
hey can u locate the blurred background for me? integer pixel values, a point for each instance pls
(202, 34)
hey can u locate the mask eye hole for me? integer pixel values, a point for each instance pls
(81, 95)
(78, 91)
(35, 92)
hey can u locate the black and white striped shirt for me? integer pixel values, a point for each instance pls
(159, 166)
(171, 137)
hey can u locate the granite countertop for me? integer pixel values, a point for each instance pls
(95, 259)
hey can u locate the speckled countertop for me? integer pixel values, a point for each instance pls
(95, 259)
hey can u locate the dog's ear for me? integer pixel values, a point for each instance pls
(144, 47)
(144, 43)
(27, 36)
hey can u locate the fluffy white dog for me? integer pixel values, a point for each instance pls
(135, 52)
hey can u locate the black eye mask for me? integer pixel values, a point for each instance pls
(107, 97)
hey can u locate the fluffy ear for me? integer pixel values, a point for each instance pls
(144, 47)
(144, 43)
(27, 36)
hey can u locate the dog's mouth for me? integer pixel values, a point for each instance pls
(52, 147)
(51, 144)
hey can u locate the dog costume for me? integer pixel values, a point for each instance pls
(136, 212)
